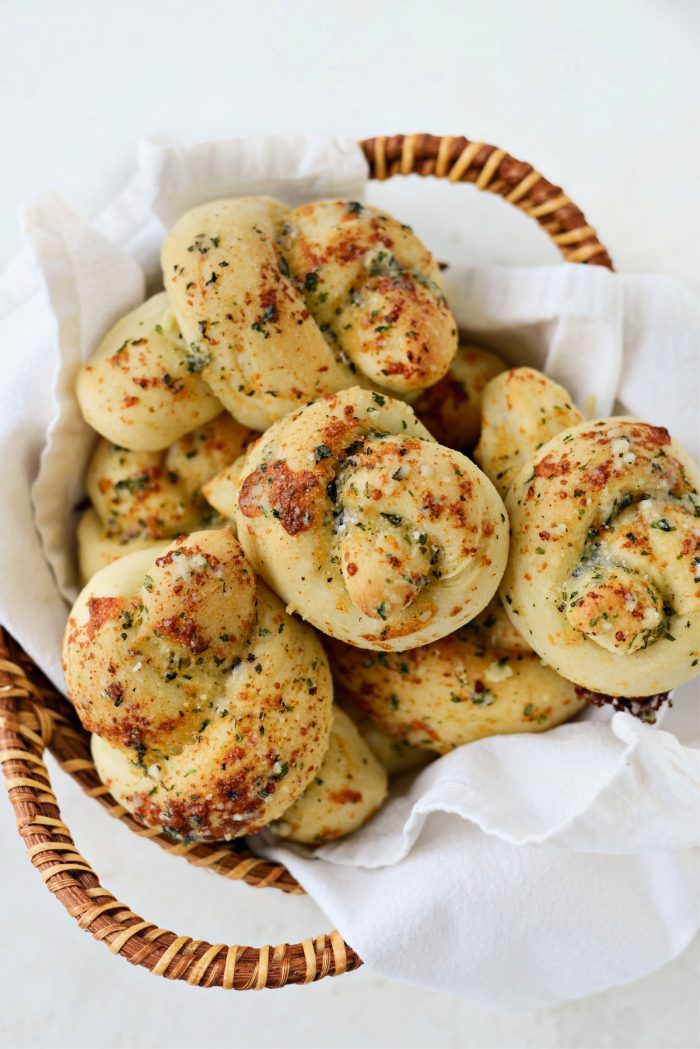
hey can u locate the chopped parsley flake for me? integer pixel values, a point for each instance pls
(197, 358)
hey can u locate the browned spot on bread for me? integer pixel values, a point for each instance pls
(644, 435)
(182, 630)
(180, 550)
(101, 610)
(434, 505)
(195, 814)
(552, 467)
(345, 796)
(438, 403)
(337, 432)
(420, 726)
(287, 494)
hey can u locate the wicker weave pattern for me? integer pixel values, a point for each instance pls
(459, 160)
(28, 724)
(34, 717)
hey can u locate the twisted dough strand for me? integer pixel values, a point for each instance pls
(349, 788)
(370, 529)
(281, 306)
(521, 410)
(211, 706)
(141, 388)
(140, 498)
(603, 571)
(374, 290)
(482, 680)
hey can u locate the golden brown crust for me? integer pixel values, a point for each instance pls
(140, 389)
(140, 498)
(370, 529)
(451, 409)
(212, 705)
(479, 681)
(282, 306)
(601, 578)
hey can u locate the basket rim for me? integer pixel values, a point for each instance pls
(489, 168)
(34, 716)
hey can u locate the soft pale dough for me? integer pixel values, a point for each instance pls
(348, 788)
(521, 409)
(141, 388)
(221, 491)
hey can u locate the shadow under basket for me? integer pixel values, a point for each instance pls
(34, 716)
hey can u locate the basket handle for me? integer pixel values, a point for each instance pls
(458, 159)
(27, 723)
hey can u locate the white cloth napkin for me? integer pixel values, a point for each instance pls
(519, 870)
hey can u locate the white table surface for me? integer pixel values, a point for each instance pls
(602, 97)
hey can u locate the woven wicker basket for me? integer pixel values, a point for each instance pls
(34, 716)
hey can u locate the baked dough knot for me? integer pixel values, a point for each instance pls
(521, 409)
(281, 306)
(451, 409)
(140, 498)
(141, 387)
(482, 680)
(211, 707)
(366, 526)
(603, 577)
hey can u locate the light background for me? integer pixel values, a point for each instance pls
(603, 97)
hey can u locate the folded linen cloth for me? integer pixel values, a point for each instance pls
(519, 870)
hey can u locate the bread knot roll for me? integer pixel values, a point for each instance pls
(366, 526)
(140, 498)
(281, 306)
(451, 409)
(483, 680)
(521, 410)
(347, 790)
(394, 754)
(603, 571)
(141, 388)
(211, 704)
(374, 290)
